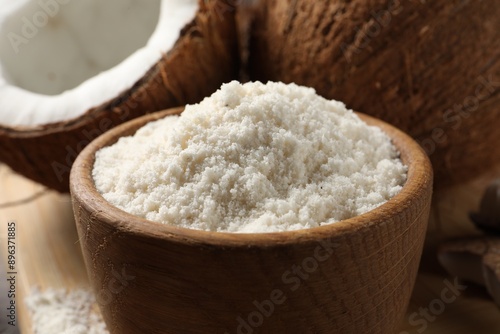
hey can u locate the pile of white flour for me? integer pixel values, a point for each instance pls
(57, 311)
(252, 158)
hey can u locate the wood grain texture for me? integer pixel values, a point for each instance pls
(204, 57)
(431, 68)
(357, 275)
(48, 253)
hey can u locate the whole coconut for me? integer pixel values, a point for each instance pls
(432, 68)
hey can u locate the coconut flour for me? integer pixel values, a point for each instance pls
(252, 158)
(65, 312)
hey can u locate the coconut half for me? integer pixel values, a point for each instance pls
(431, 68)
(71, 70)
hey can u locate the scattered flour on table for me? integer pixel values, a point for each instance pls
(65, 312)
(252, 158)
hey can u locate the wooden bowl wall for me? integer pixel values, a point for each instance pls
(354, 276)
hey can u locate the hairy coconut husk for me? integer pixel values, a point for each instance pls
(204, 57)
(432, 68)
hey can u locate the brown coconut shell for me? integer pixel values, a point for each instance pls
(474, 259)
(204, 57)
(431, 68)
(491, 272)
(462, 258)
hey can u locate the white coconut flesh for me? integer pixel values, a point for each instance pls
(60, 58)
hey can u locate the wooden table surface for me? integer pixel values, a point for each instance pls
(48, 255)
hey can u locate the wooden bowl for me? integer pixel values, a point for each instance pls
(354, 276)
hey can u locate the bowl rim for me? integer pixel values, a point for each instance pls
(83, 192)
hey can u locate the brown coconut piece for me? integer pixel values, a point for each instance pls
(432, 68)
(462, 258)
(491, 272)
(204, 57)
(488, 217)
(474, 259)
